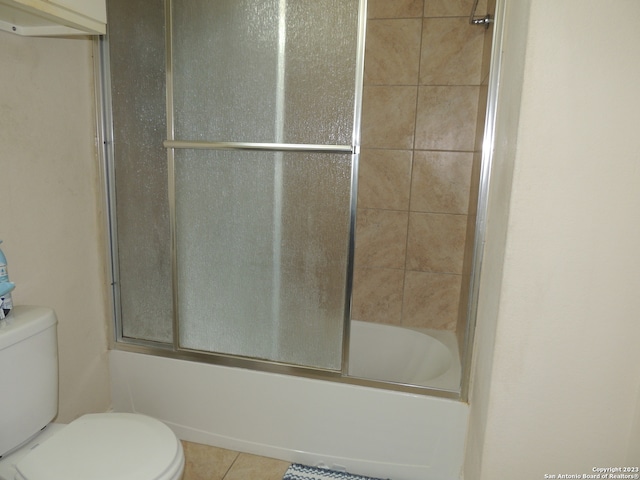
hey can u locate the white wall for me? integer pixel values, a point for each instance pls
(49, 204)
(560, 392)
(512, 43)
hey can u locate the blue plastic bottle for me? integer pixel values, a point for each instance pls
(7, 303)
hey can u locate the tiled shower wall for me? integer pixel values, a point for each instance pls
(423, 71)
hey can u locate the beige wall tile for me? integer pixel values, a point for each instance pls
(381, 237)
(475, 182)
(453, 8)
(438, 120)
(388, 117)
(392, 54)
(377, 295)
(248, 467)
(446, 118)
(441, 181)
(451, 52)
(431, 300)
(395, 8)
(384, 179)
(435, 242)
(203, 462)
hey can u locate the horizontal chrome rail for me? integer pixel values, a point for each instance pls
(276, 147)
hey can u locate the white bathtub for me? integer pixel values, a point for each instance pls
(369, 431)
(403, 355)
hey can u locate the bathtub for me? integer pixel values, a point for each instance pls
(360, 429)
(422, 357)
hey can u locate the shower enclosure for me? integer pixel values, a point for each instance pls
(232, 145)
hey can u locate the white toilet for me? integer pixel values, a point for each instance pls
(106, 446)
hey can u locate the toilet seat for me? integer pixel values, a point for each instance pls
(107, 446)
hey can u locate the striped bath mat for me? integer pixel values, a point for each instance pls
(302, 472)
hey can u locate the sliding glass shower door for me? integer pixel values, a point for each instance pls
(261, 150)
(262, 249)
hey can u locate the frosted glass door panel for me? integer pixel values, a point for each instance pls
(262, 249)
(264, 71)
(137, 59)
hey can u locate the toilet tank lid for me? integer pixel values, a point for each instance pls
(105, 446)
(24, 322)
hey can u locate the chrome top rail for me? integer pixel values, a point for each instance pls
(277, 147)
(486, 20)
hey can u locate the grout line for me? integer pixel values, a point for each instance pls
(411, 172)
(231, 466)
(404, 149)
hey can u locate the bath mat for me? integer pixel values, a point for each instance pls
(303, 472)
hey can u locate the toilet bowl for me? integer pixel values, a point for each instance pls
(103, 446)
(109, 446)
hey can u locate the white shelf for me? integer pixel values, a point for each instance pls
(55, 17)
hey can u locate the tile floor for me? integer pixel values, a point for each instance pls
(203, 462)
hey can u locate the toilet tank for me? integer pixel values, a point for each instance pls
(28, 374)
